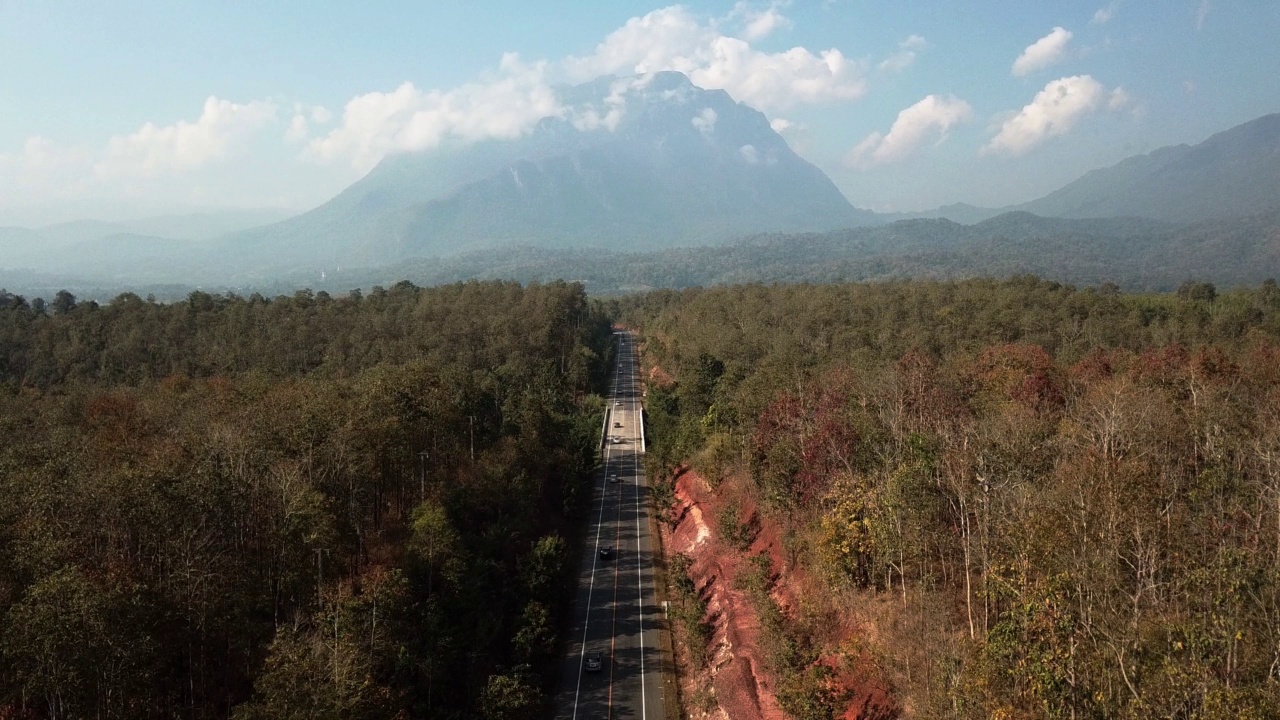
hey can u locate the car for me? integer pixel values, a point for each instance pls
(618, 404)
(616, 440)
(613, 477)
(595, 661)
(617, 424)
(606, 552)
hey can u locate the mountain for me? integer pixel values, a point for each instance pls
(1235, 173)
(644, 163)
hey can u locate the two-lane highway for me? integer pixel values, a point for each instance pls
(615, 619)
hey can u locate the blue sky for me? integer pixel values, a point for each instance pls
(140, 107)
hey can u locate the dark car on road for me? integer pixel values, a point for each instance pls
(606, 552)
(595, 661)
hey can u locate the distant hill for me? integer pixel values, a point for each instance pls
(682, 166)
(169, 246)
(1235, 173)
(962, 213)
(1137, 254)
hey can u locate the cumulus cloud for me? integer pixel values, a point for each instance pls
(673, 38)
(1042, 53)
(759, 24)
(1104, 14)
(705, 121)
(934, 116)
(511, 101)
(1055, 111)
(715, 52)
(781, 125)
(304, 117)
(42, 156)
(298, 130)
(905, 57)
(158, 149)
(407, 118)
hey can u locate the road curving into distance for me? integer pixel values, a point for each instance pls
(615, 612)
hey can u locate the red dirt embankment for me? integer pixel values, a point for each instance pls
(743, 688)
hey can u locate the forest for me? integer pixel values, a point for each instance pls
(294, 507)
(1033, 500)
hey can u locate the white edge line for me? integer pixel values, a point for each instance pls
(639, 471)
(595, 553)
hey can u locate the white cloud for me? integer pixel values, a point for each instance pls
(759, 24)
(1055, 111)
(750, 154)
(705, 121)
(304, 117)
(716, 52)
(615, 104)
(406, 119)
(914, 42)
(1104, 14)
(41, 156)
(298, 130)
(935, 115)
(781, 125)
(905, 57)
(1042, 53)
(674, 39)
(1202, 13)
(155, 150)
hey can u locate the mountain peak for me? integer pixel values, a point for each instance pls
(639, 162)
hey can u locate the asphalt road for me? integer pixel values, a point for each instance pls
(614, 611)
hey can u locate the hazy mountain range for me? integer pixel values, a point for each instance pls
(647, 165)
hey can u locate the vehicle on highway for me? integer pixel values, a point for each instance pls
(595, 661)
(615, 440)
(617, 424)
(613, 477)
(606, 552)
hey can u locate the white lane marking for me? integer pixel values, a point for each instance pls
(595, 555)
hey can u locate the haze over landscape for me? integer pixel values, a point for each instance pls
(729, 360)
(680, 126)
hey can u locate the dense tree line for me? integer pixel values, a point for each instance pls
(1067, 499)
(299, 507)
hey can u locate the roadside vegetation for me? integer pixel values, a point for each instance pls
(1041, 501)
(298, 507)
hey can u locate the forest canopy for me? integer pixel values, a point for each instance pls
(293, 507)
(1037, 501)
